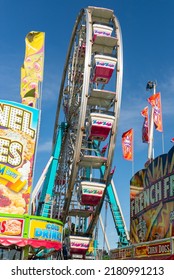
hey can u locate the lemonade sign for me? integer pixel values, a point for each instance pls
(18, 129)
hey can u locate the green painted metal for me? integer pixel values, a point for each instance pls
(25, 253)
(26, 226)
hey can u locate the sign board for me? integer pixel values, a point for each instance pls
(152, 200)
(43, 230)
(18, 129)
(11, 227)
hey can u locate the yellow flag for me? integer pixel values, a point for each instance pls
(34, 43)
(32, 69)
(34, 54)
(29, 89)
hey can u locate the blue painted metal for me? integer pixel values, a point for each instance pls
(47, 191)
(117, 217)
(115, 210)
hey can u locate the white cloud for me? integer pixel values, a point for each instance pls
(45, 147)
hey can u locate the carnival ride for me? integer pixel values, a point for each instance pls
(59, 219)
(79, 176)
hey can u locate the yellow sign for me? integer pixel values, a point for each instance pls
(45, 231)
(155, 249)
(11, 178)
(125, 253)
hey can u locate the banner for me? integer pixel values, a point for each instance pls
(155, 101)
(32, 70)
(34, 54)
(145, 128)
(18, 129)
(29, 89)
(127, 144)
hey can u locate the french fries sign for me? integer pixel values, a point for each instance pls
(152, 200)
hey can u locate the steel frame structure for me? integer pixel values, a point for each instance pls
(74, 156)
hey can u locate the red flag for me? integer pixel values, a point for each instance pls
(172, 140)
(127, 144)
(145, 128)
(112, 171)
(104, 149)
(144, 112)
(155, 101)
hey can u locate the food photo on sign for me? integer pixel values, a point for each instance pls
(18, 125)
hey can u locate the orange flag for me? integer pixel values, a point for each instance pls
(127, 144)
(155, 101)
(145, 128)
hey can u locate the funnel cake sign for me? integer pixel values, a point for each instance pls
(18, 127)
(152, 200)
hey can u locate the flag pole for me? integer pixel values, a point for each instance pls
(132, 153)
(151, 85)
(162, 142)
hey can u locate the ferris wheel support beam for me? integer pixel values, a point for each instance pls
(117, 214)
(104, 233)
(38, 186)
(47, 192)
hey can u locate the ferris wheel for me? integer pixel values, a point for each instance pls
(86, 125)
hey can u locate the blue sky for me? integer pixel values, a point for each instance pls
(148, 39)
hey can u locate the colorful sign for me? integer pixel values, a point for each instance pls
(79, 244)
(127, 144)
(125, 253)
(11, 227)
(18, 129)
(152, 200)
(151, 250)
(45, 231)
(32, 69)
(90, 193)
(91, 247)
